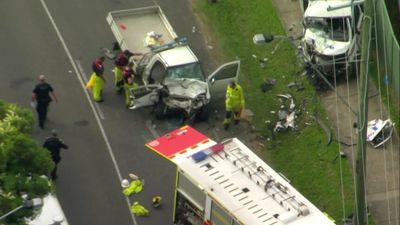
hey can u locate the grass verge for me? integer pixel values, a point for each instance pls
(301, 155)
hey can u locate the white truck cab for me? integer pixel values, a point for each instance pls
(331, 39)
(173, 79)
(227, 183)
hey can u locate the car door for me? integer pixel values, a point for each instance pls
(146, 95)
(142, 63)
(220, 78)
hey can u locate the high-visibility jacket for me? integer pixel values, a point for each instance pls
(117, 74)
(128, 87)
(97, 86)
(234, 98)
(139, 210)
(135, 186)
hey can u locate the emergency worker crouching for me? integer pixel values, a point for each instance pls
(128, 86)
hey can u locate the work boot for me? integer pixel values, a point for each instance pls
(119, 90)
(226, 126)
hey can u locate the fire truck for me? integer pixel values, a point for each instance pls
(227, 184)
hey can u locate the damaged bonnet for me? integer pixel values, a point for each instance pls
(188, 88)
(322, 43)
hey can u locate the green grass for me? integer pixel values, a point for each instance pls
(302, 155)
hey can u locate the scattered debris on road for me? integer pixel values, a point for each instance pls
(379, 132)
(267, 85)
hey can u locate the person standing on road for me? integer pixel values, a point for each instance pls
(234, 102)
(96, 83)
(42, 99)
(128, 72)
(121, 62)
(54, 144)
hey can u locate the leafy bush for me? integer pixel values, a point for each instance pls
(22, 163)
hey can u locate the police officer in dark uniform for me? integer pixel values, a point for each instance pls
(54, 145)
(41, 95)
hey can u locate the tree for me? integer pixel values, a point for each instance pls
(22, 162)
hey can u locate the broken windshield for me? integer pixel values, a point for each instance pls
(336, 29)
(188, 71)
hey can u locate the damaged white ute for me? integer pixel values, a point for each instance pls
(171, 73)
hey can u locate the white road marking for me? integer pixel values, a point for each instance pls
(110, 151)
(82, 72)
(85, 80)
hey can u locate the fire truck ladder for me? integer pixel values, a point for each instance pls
(279, 192)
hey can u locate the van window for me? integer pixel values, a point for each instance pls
(336, 29)
(188, 71)
(339, 31)
(227, 72)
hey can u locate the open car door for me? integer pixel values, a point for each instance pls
(220, 78)
(145, 95)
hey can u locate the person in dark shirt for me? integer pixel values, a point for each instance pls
(120, 62)
(128, 72)
(54, 145)
(41, 95)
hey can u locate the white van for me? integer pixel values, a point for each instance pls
(331, 35)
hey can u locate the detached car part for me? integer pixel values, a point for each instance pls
(379, 132)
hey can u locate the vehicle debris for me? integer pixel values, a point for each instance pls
(286, 114)
(379, 132)
(267, 85)
(298, 86)
(341, 154)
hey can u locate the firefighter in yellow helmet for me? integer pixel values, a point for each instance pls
(234, 102)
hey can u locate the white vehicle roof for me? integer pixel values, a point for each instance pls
(238, 180)
(50, 212)
(320, 9)
(180, 55)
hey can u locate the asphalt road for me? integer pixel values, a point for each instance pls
(60, 39)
